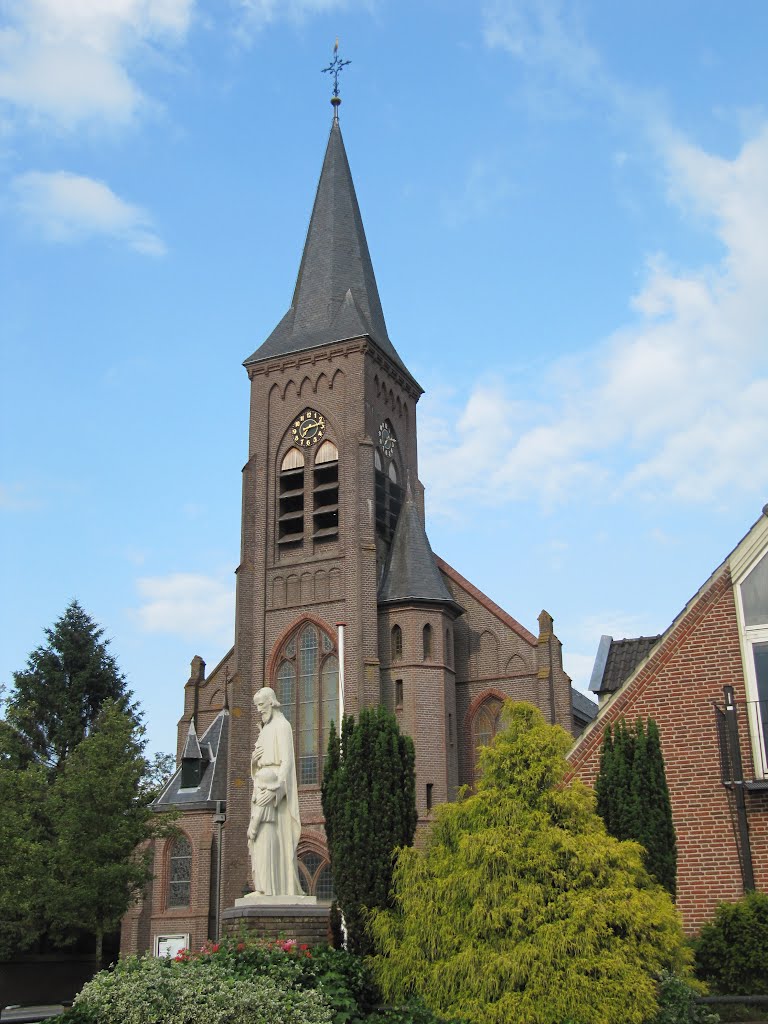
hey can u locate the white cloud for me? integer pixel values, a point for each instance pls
(67, 60)
(66, 207)
(674, 404)
(542, 34)
(189, 605)
(484, 190)
(257, 14)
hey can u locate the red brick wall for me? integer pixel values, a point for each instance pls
(677, 688)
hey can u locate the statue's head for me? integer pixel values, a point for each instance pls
(265, 700)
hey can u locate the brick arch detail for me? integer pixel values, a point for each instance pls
(294, 628)
(313, 842)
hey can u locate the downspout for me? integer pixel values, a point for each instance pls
(747, 870)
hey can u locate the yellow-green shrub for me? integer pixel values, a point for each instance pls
(521, 909)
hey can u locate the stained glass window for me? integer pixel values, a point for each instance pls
(486, 723)
(180, 873)
(307, 684)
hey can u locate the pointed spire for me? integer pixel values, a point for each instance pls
(412, 573)
(336, 297)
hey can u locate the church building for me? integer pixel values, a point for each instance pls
(333, 535)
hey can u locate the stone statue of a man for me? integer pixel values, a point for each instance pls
(274, 828)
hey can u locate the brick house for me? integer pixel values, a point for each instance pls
(333, 532)
(705, 682)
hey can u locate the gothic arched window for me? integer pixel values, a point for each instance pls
(485, 724)
(426, 637)
(307, 686)
(315, 875)
(180, 872)
(397, 643)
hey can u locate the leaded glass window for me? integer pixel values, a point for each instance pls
(315, 875)
(307, 686)
(180, 873)
(486, 723)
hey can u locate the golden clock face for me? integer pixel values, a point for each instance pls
(386, 441)
(308, 428)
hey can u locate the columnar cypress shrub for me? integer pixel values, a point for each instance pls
(369, 805)
(522, 909)
(633, 797)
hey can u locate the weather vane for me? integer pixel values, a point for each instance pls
(335, 68)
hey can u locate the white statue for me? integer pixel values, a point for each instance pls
(274, 828)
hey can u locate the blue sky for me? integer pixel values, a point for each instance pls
(567, 210)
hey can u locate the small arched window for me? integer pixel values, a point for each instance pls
(315, 875)
(180, 872)
(426, 638)
(307, 686)
(397, 643)
(486, 724)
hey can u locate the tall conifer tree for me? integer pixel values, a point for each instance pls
(369, 804)
(58, 696)
(633, 797)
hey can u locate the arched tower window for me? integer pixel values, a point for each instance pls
(290, 521)
(308, 482)
(389, 493)
(307, 686)
(485, 724)
(397, 643)
(426, 640)
(325, 489)
(180, 872)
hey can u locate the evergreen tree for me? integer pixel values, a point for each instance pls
(100, 816)
(369, 804)
(522, 909)
(59, 695)
(24, 850)
(633, 797)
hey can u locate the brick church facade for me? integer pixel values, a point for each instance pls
(333, 533)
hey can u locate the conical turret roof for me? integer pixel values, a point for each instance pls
(335, 297)
(412, 574)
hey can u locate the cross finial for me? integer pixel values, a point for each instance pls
(335, 68)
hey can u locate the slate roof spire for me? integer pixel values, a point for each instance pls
(335, 297)
(412, 574)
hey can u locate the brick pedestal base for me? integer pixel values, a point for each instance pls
(309, 924)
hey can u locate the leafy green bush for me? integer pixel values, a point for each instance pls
(199, 990)
(677, 1003)
(730, 951)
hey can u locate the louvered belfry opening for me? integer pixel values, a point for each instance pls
(325, 492)
(389, 498)
(291, 505)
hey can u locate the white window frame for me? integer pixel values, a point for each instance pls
(171, 945)
(749, 635)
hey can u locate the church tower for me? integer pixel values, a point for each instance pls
(332, 445)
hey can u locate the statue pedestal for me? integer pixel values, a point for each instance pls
(279, 917)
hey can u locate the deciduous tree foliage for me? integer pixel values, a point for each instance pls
(633, 797)
(521, 909)
(369, 805)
